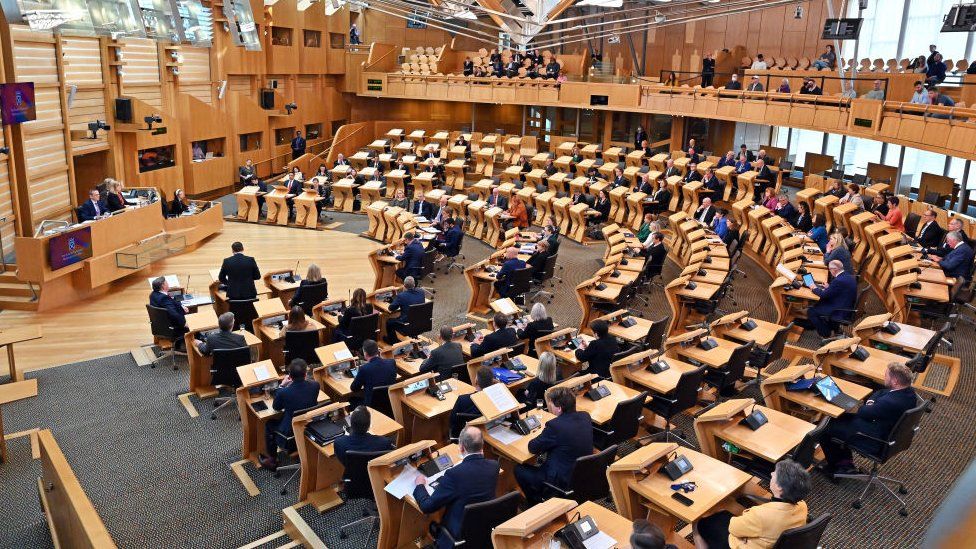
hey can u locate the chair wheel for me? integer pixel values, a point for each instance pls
(284, 491)
(902, 490)
(153, 365)
(276, 474)
(343, 535)
(213, 416)
(856, 504)
(215, 403)
(903, 512)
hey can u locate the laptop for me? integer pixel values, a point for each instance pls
(831, 392)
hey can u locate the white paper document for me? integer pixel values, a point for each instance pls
(783, 271)
(172, 280)
(261, 373)
(404, 483)
(504, 435)
(344, 354)
(501, 397)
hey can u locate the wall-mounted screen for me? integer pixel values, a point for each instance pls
(17, 103)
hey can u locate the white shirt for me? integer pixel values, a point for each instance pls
(759, 65)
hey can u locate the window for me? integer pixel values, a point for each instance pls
(250, 141)
(313, 39)
(313, 131)
(859, 152)
(283, 136)
(916, 162)
(922, 28)
(337, 40)
(805, 141)
(280, 36)
(207, 149)
(879, 37)
(156, 158)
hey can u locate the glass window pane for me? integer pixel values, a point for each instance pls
(917, 162)
(922, 29)
(879, 32)
(805, 141)
(859, 152)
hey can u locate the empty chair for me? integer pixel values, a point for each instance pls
(419, 319)
(683, 397)
(223, 374)
(301, 345)
(623, 424)
(764, 356)
(521, 284)
(656, 334)
(724, 379)
(479, 519)
(803, 454)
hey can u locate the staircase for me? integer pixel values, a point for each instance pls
(603, 71)
(14, 294)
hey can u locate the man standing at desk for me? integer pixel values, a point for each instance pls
(598, 354)
(876, 418)
(499, 339)
(297, 145)
(296, 393)
(503, 280)
(473, 480)
(238, 273)
(445, 357)
(402, 302)
(359, 438)
(412, 257)
(959, 261)
(92, 208)
(160, 298)
(838, 296)
(566, 438)
(376, 372)
(224, 339)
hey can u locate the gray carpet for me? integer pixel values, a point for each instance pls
(161, 479)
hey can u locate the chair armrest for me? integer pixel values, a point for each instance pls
(748, 500)
(602, 431)
(875, 439)
(557, 489)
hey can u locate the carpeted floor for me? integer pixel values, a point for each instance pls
(159, 478)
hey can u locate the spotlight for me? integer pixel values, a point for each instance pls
(798, 13)
(152, 119)
(93, 127)
(291, 107)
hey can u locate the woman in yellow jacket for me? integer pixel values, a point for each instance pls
(759, 527)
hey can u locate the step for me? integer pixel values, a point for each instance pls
(19, 290)
(9, 277)
(15, 303)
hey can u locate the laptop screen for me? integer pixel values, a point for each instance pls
(828, 388)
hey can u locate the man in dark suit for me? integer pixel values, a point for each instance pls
(296, 393)
(422, 208)
(655, 254)
(238, 273)
(502, 337)
(412, 257)
(468, 67)
(294, 188)
(670, 169)
(565, 438)
(92, 208)
(598, 354)
(714, 184)
(929, 233)
(445, 357)
(745, 150)
(840, 293)
(376, 372)
(410, 295)
(875, 418)
(959, 261)
(692, 174)
(706, 212)
(464, 409)
(177, 313)
(473, 480)
(359, 438)
(503, 280)
(639, 137)
(693, 155)
(785, 209)
(223, 339)
(954, 224)
(453, 235)
(763, 180)
(297, 145)
(497, 200)
(340, 161)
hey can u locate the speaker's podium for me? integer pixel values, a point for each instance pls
(392, 476)
(277, 205)
(542, 521)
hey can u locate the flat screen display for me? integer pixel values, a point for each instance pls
(70, 247)
(17, 103)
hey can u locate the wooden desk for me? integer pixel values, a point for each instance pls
(333, 375)
(601, 410)
(247, 204)
(321, 470)
(632, 334)
(732, 329)
(777, 397)
(770, 442)
(535, 526)
(481, 285)
(205, 321)
(306, 209)
(12, 392)
(422, 415)
(277, 205)
(273, 340)
(343, 191)
(713, 358)
(632, 371)
(873, 368)
(17, 335)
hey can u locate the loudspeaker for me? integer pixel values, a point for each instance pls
(267, 99)
(123, 110)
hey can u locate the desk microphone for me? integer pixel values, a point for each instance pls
(186, 290)
(297, 263)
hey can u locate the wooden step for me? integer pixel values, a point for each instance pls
(18, 303)
(19, 289)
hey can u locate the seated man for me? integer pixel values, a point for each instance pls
(959, 261)
(598, 354)
(836, 299)
(565, 438)
(929, 233)
(359, 438)
(296, 393)
(450, 246)
(464, 409)
(503, 280)
(502, 337)
(92, 208)
(714, 184)
(410, 295)
(160, 298)
(376, 372)
(784, 209)
(706, 212)
(876, 418)
(445, 356)
(473, 480)
(223, 339)
(412, 257)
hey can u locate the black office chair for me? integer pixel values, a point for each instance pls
(452, 260)
(312, 295)
(479, 519)
(521, 284)
(290, 447)
(356, 485)
(622, 426)
(764, 356)
(589, 480)
(724, 379)
(802, 454)
(380, 400)
(548, 272)
(881, 450)
(683, 397)
(419, 320)
(460, 373)
(427, 266)
(161, 328)
(655, 334)
(455, 433)
(846, 318)
(301, 345)
(223, 374)
(362, 328)
(806, 536)
(911, 223)
(244, 313)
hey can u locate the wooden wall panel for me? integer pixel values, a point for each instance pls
(202, 91)
(49, 195)
(240, 83)
(194, 79)
(141, 60)
(88, 106)
(83, 61)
